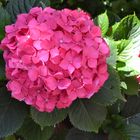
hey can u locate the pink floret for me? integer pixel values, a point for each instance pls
(54, 57)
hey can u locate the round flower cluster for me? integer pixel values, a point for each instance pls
(54, 57)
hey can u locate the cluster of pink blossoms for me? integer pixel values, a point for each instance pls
(54, 57)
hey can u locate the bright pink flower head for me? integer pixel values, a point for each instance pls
(54, 57)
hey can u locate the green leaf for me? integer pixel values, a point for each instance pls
(113, 17)
(132, 106)
(2, 68)
(113, 52)
(32, 131)
(48, 119)
(116, 108)
(128, 29)
(15, 7)
(134, 119)
(126, 132)
(60, 132)
(103, 22)
(133, 131)
(132, 127)
(87, 115)
(10, 138)
(110, 92)
(75, 134)
(115, 127)
(4, 20)
(132, 86)
(113, 28)
(118, 135)
(121, 45)
(12, 114)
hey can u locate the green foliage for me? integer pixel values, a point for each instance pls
(15, 7)
(32, 131)
(4, 20)
(133, 131)
(132, 106)
(103, 22)
(75, 134)
(12, 137)
(2, 68)
(60, 133)
(132, 86)
(128, 29)
(107, 112)
(118, 135)
(118, 129)
(111, 90)
(48, 119)
(112, 60)
(12, 114)
(133, 126)
(87, 115)
(134, 119)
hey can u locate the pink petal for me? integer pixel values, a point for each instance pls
(26, 59)
(43, 70)
(92, 63)
(50, 106)
(51, 83)
(56, 60)
(98, 39)
(64, 84)
(72, 95)
(40, 103)
(104, 48)
(103, 78)
(14, 86)
(89, 42)
(43, 56)
(91, 52)
(102, 68)
(81, 93)
(54, 52)
(76, 48)
(59, 75)
(46, 35)
(64, 64)
(35, 59)
(35, 10)
(10, 28)
(77, 36)
(71, 68)
(35, 34)
(96, 31)
(49, 10)
(19, 97)
(87, 81)
(37, 45)
(33, 74)
(77, 62)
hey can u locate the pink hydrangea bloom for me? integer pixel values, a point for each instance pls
(54, 57)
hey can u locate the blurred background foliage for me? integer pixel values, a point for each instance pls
(116, 8)
(119, 8)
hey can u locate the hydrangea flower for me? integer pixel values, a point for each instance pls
(54, 57)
